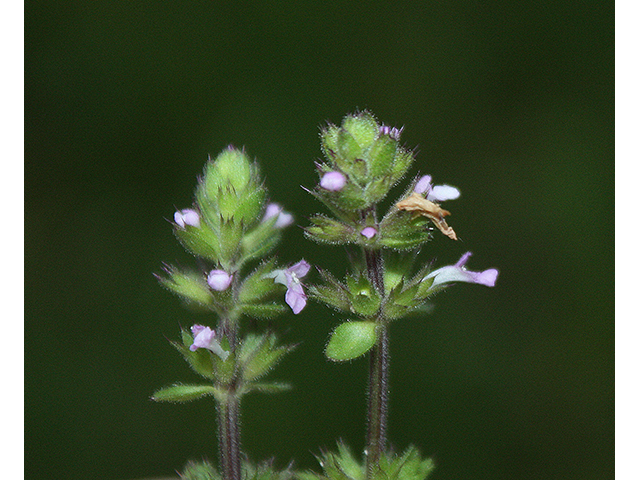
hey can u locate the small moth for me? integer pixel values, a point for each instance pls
(417, 204)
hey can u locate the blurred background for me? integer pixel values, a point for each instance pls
(512, 102)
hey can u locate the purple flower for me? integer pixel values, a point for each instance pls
(187, 217)
(369, 232)
(333, 181)
(284, 218)
(439, 193)
(457, 273)
(295, 296)
(392, 132)
(205, 337)
(219, 280)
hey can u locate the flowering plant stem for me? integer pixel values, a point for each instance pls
(378, 395)
(378, 387)
(229, 403)
(229, 436)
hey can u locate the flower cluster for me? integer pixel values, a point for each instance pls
(232, 224)
(363, 160)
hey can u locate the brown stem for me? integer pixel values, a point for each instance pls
(378, 401)
(229, 404)
(229, 436)
(378, 387)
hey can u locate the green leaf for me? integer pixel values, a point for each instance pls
(328, 230)
(329, 141)
(333, 297)
(329, 199)
(201, 361)
(363, 127)
(333, 293)
(259, 354)
(352, 197)
(182, 393)
(256, 286)
(268, 387)
(349, 150)
(403, 230)
(201, 241)
(191, 286)
(259, 241)
(402, 162)
(347, 462)
(231, 168)
(377, 189)
(365, 301)
(342, 465)
(230, 238)
(250, 205)
(351, 340)
(263, 310)
(381, 155)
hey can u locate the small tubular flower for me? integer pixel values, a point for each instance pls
(219, 280)
(393, 132)
(290, 277)
(333, 181)
(284, 218)
(457, 273)
(438, 193)
(205, 337)
(187, 216)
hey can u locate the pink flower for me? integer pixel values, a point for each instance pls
(439, 193)
(205, 337)
(457, 273)
(219, 280)
(369, 232)
(295, 296)
(284, 218)
(187, 217)
(333, 181)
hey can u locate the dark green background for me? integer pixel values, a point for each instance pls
(510, 101)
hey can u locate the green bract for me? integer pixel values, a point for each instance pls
(343, 465)
(259, 354)
(183, 393)
(191, 286)
(206, 471)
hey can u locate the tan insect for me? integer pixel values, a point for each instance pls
(417, 204)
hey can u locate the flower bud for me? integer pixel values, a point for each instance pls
(333, 181)
(187, 217)
(284, 218)
(369, 232)
(219, 280)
